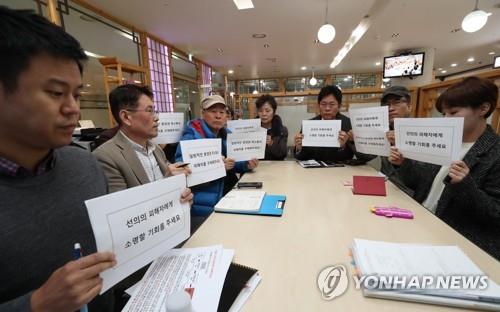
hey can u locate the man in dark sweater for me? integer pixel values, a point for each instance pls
(44, 182)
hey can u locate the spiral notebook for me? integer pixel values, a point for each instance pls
(236, 280)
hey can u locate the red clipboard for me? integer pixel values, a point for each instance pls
(368, 185)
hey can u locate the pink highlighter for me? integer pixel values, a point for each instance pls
(392, 212)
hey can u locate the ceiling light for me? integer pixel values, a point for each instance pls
(443, 72)
(326, 33)
(259, 36)
(453, 65)
(491, 53)
(313, 81)
(88, 85)
(440, 68)
(475, 20)
(359, 32)
(220, 50)
(377, 64)
(470, 59)
(255, 92)
(303, 68)
(230, 72)
(266, 45)
(243, 4)
(386, 79)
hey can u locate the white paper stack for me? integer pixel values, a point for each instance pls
(383, 259)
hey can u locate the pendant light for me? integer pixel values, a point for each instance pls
(313, 81)
(475, 20)
(326, 33)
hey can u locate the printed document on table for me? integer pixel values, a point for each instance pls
(241, 201)
(170, 126)
(199, 271)
(323, 133)
(244, 125)
(432, 140)
(246, 146)
(138, 224)
(205, 160)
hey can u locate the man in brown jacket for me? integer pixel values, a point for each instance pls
(130, 158)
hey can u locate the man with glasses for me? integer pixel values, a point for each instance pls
(210, 126)
(329, 102)
(130, 158)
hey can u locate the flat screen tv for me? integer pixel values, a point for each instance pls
(404, 65)
(496, 62)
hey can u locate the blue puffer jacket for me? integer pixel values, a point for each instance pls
(206, 195)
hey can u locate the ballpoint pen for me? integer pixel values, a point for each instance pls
(77, 253)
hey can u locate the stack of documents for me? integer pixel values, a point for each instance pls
(241, 201)
(441, 275)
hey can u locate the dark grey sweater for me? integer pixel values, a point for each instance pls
(41, 218)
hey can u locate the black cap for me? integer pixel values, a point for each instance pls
(396, 90)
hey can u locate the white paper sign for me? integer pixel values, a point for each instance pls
(170, 126)
(432, 140)
(139, 224)
(245, 146)
(372, 142)
(369, 118)
(369, 127)
(205, 160)
(243, 125)
(324, 133)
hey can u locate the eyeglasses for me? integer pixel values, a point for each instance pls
(147, 110)
(394, 103)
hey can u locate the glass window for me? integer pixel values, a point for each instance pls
(248, 86)
(161, 75)
(295, 84)
(183, 67)
(269, 85)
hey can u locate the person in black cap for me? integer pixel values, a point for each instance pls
(399, 101)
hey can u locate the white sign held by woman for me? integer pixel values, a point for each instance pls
(245, 146)
(244, 125)
(432, 140)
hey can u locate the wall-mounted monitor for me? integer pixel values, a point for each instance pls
(496, 62)
(404, 65)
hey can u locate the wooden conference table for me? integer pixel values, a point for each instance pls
(320, 221)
